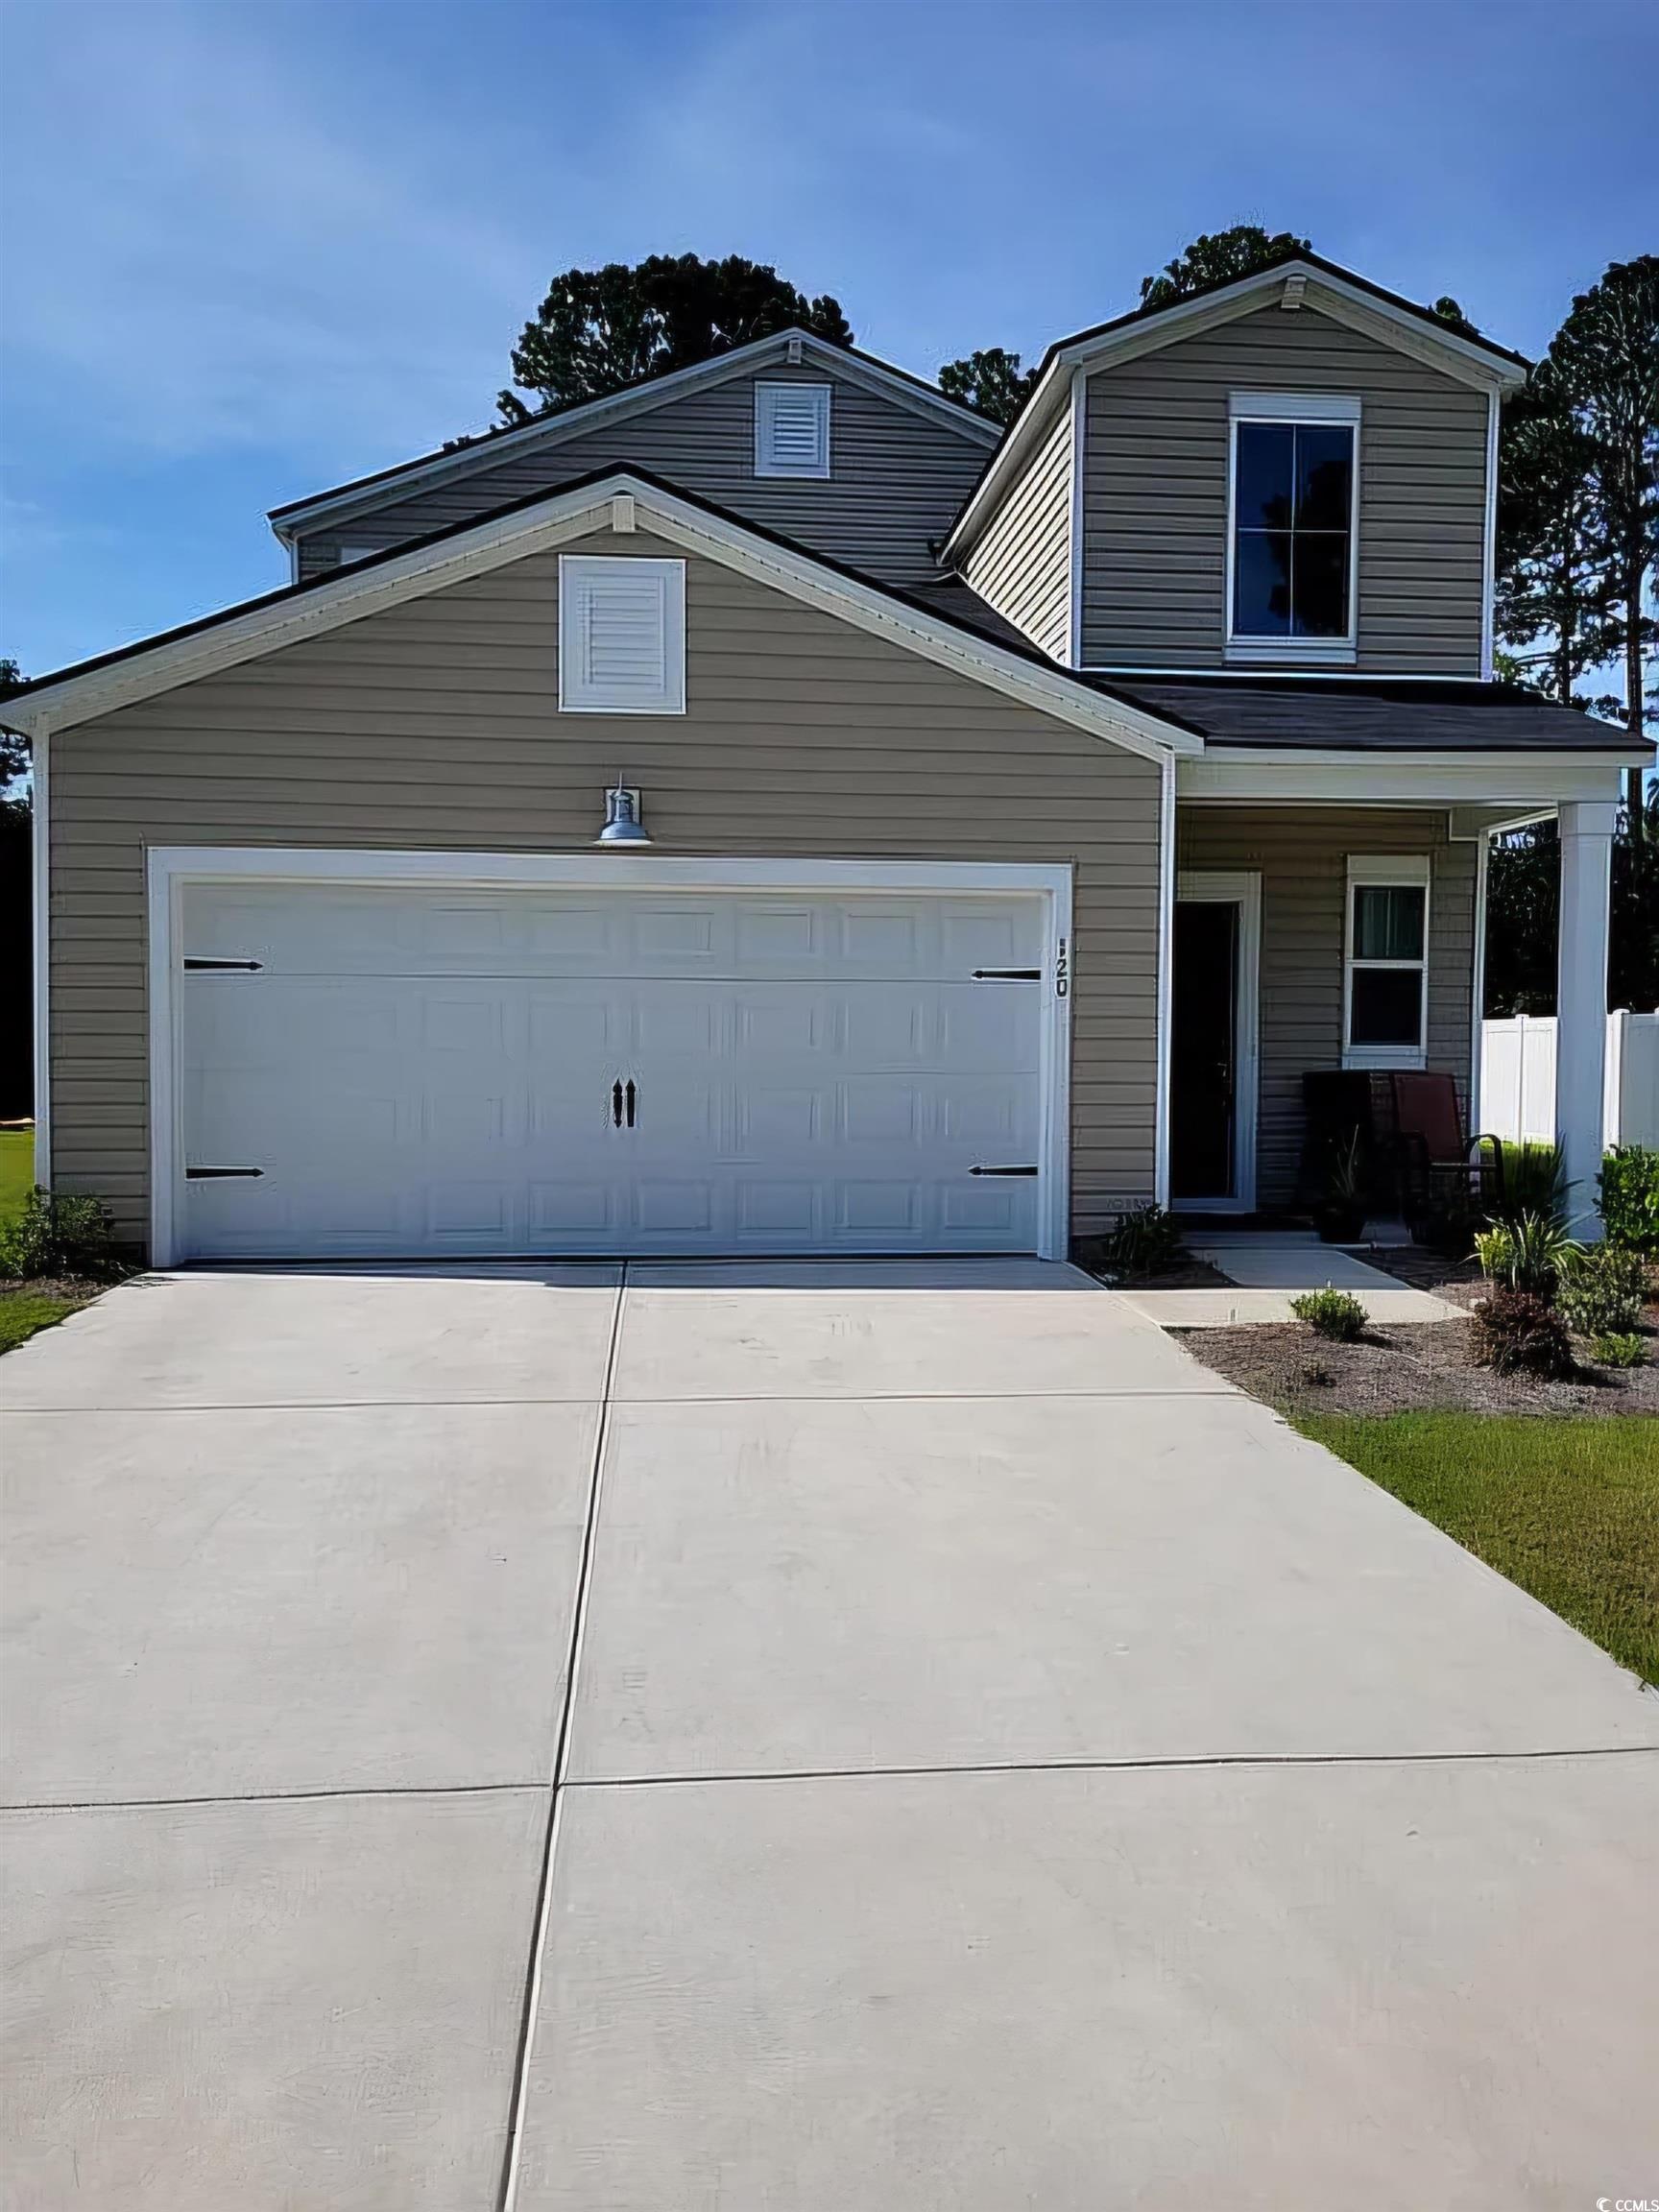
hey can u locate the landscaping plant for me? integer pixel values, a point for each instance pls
(1619, 1349)
(1629, 1184)
(1330, 1314)
(1535, 1181)
(1602, 1291)
(1527, 1252)
(1516, 1333)
(56, 1236)
(1146, 1238)
(1340, 1214)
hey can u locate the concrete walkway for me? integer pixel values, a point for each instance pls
(1003, 1768)
(1266, 1271)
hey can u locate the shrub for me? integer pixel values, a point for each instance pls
(1535, 1181)
(1602, 1291)
(1629, 1186)
(63, 1236)
(1517, 1334)
(1619, 1350)
(1526, 1253)
(1330, 1314)
(1146, 1238)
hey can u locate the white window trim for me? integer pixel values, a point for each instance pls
(351, 550)
(1400, 871)
(1330, 407)
(171, 867)
(764, 463)
(578, 698)
(1240, 888)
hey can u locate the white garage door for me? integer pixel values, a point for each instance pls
(392, 1071)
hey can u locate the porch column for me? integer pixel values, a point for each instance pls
(1581, 1001)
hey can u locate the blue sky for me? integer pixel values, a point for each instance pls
(248, 250)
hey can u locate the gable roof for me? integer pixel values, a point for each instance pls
(406, 477)
(1309, 280)
(621, 497)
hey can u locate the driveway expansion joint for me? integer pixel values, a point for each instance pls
(1202, 1762)
(513, 2146)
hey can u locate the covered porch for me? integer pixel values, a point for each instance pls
(1327, 919)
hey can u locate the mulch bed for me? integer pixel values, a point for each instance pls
(1423, 1367)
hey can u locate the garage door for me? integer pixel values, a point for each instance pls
(394, 1071)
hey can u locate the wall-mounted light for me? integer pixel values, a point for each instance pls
(623, 822)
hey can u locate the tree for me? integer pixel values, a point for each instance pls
(1522, 909)
(1605, 361)
(16, 915)
(1218, 257)
(1548, 608)
(13, 750)
(601, 329)
(1578, 507)
(991, 380)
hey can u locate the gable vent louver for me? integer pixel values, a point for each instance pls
(792, 430)
(622, 636)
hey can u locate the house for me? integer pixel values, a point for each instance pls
(1001, 826)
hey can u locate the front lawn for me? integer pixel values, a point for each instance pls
(28, 1307)
(25, 1312)
(1567, 1508)
(17, 1171)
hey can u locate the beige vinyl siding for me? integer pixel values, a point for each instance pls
(1021, 561)
(897, 479)
(1155, 494)
(1302, 853)
(434, 725)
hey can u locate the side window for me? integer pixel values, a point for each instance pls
(1385, 965)
(791, 429)
(1292, 535)
(621, 636)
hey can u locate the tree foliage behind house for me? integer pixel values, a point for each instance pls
(599, 331)
(1523, 907)
(991, 380)
(1579, 512)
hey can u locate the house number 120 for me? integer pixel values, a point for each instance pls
(1062, 971)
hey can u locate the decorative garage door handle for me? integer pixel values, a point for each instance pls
(628, 1099)
(1001, 1170)
(622, 1097)
(616, 1105)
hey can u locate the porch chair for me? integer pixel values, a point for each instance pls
(1443, 1173)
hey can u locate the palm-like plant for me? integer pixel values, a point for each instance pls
(1528, 1251)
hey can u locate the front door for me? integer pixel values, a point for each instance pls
(1204, 1059)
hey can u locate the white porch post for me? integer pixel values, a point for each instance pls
(1581, 1001)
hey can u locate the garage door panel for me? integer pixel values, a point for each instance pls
(447, 1102)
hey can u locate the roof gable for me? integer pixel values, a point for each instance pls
(1305, 281)
(492, 447)
(624, 500)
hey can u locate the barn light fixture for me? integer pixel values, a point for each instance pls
(623, 822)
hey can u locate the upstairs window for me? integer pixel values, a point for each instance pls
(621, 636)
(791, 429)
(1385, 994)
(1294, 525)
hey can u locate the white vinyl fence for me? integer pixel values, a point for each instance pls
(1518, 1078)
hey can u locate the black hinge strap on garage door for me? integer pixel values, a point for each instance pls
(220, 1174)
(247, 967)
(1007, 975)
(1001, 1170)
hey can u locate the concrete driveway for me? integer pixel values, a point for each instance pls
(1005, 1768)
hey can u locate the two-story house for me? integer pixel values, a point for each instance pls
(765, 811)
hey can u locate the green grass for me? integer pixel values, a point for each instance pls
(24, 1314)
(17, 1171)
(1568, 1509)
